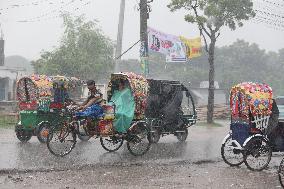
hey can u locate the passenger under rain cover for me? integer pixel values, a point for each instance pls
(164, 101)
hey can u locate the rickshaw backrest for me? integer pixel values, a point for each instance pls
(260, 121)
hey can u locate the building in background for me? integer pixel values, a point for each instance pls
(201, 94)
(11, 68)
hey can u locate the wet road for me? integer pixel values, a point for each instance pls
(169, 164)
(202, 145)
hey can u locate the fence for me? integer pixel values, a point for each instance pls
(221, 111)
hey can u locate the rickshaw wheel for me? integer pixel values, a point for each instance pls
(112, 143)
(137, 140)
(182, 136)
(23, 136)
(231, 156)
(258, 153)
(61, 141)
(43, 131)
(281, 173)
(154, 135)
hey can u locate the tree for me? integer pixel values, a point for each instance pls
(211, 16)
(83, 52)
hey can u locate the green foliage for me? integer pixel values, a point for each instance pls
(242, 61)
(83, 52)
(215, 13)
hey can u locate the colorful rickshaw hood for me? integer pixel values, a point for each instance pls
(250, 98)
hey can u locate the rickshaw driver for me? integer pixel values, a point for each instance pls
(91, 107)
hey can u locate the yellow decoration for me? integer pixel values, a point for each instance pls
(193, 46)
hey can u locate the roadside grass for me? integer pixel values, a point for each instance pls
(7, 122)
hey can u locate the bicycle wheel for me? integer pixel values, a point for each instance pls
(258, 153)
(229, 153)
(137, 140)
(61, 141)
(111, 143)
(154, 135)
(23, 136)
(281, 173)
(182, 134)
(43, 131)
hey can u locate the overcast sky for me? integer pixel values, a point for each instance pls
(44, 29)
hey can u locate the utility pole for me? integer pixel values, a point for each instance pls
(2, 55)
(118, 49)
(144, 15)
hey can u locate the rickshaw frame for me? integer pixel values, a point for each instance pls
(247, 136)
(37, 111)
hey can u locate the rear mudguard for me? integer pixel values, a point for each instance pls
(238, 146)
(226, 137)
(256, 135)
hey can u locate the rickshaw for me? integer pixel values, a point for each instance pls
(170, 109)
(251, 116)
(40, 99)
(62, 139)
(280, 131)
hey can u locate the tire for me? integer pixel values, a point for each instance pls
(236, 158)
(154, 135)
(83, 137)
(23, 136)
(137, 140)
(43, 131)
(281, 173)
(182, 136)
(111, 144)
(254, 148)
(61, 141)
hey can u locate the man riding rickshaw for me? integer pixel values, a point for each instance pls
(122, 118)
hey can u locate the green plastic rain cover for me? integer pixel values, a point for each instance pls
(124, 109)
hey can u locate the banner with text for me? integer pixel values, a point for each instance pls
(167, 44)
